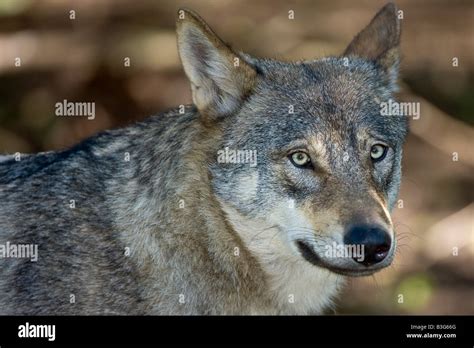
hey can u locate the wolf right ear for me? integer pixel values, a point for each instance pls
(379, 41)
(220, 79)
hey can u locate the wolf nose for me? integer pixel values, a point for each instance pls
(375, 241)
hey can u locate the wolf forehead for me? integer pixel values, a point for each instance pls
(322, 97)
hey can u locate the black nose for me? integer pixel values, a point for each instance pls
(375, 240)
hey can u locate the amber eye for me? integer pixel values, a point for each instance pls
(300, 159)
(378, 152)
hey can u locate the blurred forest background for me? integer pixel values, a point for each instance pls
(84, 59)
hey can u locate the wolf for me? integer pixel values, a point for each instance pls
(145, 220)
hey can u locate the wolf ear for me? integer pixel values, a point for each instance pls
(220, 79)
(379, 41)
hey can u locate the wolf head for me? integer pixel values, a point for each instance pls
(304, 147)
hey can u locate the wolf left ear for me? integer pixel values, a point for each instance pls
(220, 78)
(379, 41)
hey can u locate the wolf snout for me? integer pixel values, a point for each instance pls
(375, 241)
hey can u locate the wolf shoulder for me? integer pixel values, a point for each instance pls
(107, 150)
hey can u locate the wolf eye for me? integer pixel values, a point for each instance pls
(378, 152)
(300, 159)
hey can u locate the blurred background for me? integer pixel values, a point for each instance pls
(122, 56)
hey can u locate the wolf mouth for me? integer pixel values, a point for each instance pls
(311, 256)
